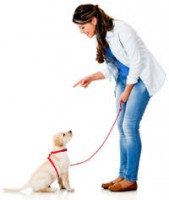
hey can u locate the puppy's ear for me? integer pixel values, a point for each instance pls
(58, 142)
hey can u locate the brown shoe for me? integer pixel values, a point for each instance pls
(122, 186)
(107, 185)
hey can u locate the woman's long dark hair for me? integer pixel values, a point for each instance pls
(84, 14)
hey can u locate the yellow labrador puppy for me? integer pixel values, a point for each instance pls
(56, 167)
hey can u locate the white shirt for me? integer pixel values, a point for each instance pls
(130, 50)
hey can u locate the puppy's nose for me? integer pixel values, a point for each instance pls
(70, 132)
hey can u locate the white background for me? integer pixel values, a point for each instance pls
(42, 54)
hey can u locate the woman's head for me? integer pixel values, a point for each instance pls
(92, 20)
(89, 28)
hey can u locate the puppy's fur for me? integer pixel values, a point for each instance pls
(45, 175)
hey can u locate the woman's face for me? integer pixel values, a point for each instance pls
(89, 28)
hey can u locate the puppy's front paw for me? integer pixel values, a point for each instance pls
(70, 189)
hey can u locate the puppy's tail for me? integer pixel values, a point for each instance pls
(16, 189)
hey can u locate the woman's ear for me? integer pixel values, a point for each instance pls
(94, 21)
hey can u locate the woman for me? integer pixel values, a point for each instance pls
(138, 76)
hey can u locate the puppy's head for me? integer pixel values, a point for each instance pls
(62, 138)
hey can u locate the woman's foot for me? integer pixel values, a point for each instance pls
(123, 185)
(107, 185)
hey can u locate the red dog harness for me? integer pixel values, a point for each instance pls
(51, 161)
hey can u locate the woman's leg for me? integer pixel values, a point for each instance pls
(123, 153)
(134, 110)
(123, 150)
(130, 142)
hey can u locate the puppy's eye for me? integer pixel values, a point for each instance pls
(63, 134)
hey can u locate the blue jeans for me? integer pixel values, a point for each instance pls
(128, 126)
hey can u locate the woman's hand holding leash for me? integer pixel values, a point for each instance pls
(126, 93)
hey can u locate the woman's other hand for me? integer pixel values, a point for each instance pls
(84, 82)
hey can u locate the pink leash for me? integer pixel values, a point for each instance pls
(84, 161)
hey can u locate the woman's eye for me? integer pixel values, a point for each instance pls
(63, 134)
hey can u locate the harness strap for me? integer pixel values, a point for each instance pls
(51, 161)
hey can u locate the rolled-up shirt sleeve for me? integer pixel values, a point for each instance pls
(107, 71)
